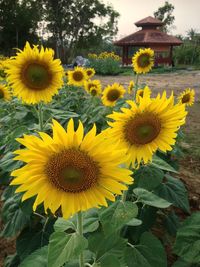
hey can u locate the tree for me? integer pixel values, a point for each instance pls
(18, 20)
(79, 23)
(164, 13)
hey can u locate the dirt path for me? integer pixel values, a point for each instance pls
(178, 81)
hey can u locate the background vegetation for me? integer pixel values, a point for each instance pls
(77, 27)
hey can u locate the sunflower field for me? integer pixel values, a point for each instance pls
(89, 172)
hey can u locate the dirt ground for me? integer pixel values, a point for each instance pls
(178, 81)
(190, 162)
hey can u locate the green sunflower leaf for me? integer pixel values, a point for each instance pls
(148, 253)
(102, 245)
(37, 258)
(150, 199)
(162, 164)
(187, 244)
(174, 191)
(117, 215)
(64, 247)
(148, 177)
(90, 222)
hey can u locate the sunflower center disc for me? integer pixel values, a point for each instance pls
(93, 92)
(141, 93)
(113, 95)
(36, 76)
(186, 98)
(78, 76)
(142, 129)
(72, 171)
(144, 60)
(89, 72)
(90, 85)
(1, 94)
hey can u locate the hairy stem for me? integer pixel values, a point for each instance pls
(80, 231)
(40, 116)
(124, 195)
(136, 85)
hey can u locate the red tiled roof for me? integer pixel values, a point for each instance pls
(149, 21)
(148, 36)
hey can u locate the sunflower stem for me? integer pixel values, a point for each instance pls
(124, 195)
(40, 116)
(136, 85)
(80, 232)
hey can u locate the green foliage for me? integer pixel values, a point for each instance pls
(117, 215)
(103, 245)
(37, 258)
(18, 21)
(188, 53)
(90, 223)
(187, 244)
(73, 27)
(105, 66)
(175, 192)
(64, 247)
(14, 216)
(165, 14)
(162, 164)
(148, 177)
(148, 253)
(150, 199)
(119, 235)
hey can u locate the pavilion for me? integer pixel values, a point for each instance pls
(149, 36)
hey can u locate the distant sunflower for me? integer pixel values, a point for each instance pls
(112, 93)
(70, 171)
(187, 97)
(77, 76)
(146, 127)
(95, 91)
(90, 72)
(92, 83)
(131, 87)
(34, 75)
(4, 93)
(143, 60)
(142, 93)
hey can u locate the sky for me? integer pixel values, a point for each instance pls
(186, 12)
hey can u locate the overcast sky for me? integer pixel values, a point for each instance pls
(186, 12)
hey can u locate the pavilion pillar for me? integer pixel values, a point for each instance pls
(171, 55)
(126, 55)
(123, 55)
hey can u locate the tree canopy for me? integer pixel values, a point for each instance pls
(165, 14)
(18, 22)
(67, 24)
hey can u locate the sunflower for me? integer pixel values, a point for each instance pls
(112, 93)
(95, 91)
(70, 171)
(131, 87)
(148, 126)
(92, 83)
(187, 97)
(143, 60)
(34, 75)
(77, 76)
(142, 93)
(90, 72)
(4, 93)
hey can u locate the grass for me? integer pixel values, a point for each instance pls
(127, 71)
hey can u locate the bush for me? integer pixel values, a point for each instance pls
(105, 63)
(187, 54)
